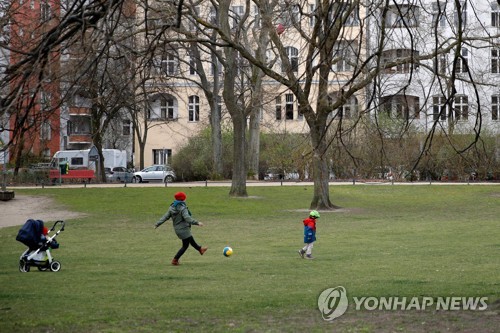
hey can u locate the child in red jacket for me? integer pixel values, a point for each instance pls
(309, 235)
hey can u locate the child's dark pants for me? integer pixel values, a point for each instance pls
(185, 245)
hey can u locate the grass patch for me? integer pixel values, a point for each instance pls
(386, 241)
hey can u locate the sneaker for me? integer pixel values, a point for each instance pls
(203, 250)
(301, 253)
(175, 262)
(308, 256)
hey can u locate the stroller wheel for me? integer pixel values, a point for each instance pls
(42, 269)
(55, 266)
(23, 266)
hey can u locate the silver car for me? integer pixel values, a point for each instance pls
(157, 172)
(119, 174)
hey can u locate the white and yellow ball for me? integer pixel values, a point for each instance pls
(227, 252)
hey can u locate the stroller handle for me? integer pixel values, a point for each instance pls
(54, 226)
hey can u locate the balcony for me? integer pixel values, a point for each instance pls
(79, 138)
(79, 111)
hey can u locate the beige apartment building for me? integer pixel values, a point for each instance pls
(178, 108)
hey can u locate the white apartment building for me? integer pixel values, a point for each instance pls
(424, 92)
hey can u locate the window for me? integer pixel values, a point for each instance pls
(290, 15)
(495, 106)
(256, 15)
(81, 101)
(438, 108)
(440, 64)
(462, 64)
(495, 60)
(212, 15)
(77, 161)
(495, 14)
(46, 154)
(45, 11)
(162, 107)
(78, 125)
(461, 108)
(350, 109)
(162, 156)
(345, 56)
(169, 63)
(339, 10)
(278, 108)
(438, 14)
(194, 108)
(293, 57)
(312, 13)
(401, 106)
(289, 106)
(403, 57)
(46, 131)
(45, 101)
(158, 18)
(461, 14)
(192, 66)
(216, 68)
(166, 108)
(401, 16)
(192, 25)
(236, 13)
(126, 127)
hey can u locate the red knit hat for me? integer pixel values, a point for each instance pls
(181, 196)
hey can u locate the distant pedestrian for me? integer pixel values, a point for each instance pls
(309, 235)
(182, 221)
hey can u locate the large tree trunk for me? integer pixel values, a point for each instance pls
(321, 174)
(216, 136)
(142, 147)
(215, 120)
(238, 184)
(254, 145)
(235, 108)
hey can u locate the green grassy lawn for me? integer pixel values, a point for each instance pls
(116, 275)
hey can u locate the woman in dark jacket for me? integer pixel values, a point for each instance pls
(182, 221)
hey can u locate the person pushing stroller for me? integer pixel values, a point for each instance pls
(182, 221)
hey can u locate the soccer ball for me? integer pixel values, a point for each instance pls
(227, 252)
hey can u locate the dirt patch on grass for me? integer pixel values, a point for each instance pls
(23, 207)
(338, 210)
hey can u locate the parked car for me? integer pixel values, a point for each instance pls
(157, 172)
(119, 174)
(275, 174)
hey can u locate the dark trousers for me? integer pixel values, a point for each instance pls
(185, 244)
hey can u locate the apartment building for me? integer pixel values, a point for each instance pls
(181, 110)
(452, 81)
(38, 98)
(59, 108)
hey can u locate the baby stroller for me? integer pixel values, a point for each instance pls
(36, 237)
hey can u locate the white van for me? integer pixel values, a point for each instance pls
(79, 159)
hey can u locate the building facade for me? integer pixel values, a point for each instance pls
(437, 65)
(452, 80)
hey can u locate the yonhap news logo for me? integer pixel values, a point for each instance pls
(333, 303)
